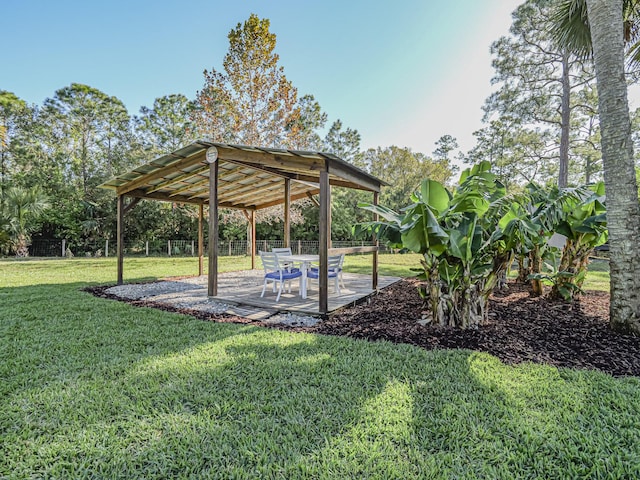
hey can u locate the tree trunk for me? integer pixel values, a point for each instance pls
(431, 290)
(535, 265)
(466, 306)
(524, 267)
(574, 260)
(589, 160)
(623, 217)
(565, 115)
(22, 245)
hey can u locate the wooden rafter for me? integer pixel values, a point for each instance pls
(178, 179)
(173, 168)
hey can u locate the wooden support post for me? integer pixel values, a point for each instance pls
(200, 240)
(64, 248)
(253, 239)
(313, 199)
(374, 281)
(106, 248)
(324, 224)
(146, 248)
(287, 212)
(213, 228)
(120, 238)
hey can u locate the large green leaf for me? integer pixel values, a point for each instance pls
(458, 244)
(383, 211)
(423, 231)
(435, 195)
(470, 202)
(565, 229)
(461, 239)
(593, 224)
(482, 167)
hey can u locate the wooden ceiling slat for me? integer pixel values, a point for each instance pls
(134, 184)
(271, 188)
(231, 174)
(179, 178)
(303, 177)
(268, 195)
(233, 189)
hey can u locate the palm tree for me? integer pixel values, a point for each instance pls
(5, 236)
(574, 32)
(22, 206)
(609, 23)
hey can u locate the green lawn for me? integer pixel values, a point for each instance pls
(93, 388)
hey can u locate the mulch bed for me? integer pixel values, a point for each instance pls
(521, 328)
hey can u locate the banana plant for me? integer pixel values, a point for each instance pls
(584, 224)
(466, 239)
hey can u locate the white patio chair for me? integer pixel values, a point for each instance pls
(315, 267)
(283, 252)
(275, 272)
(334, 271)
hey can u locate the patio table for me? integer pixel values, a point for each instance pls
(305, 261)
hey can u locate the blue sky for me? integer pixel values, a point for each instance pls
(401, 72)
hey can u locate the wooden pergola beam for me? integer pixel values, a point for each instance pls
(298, 176)
(122, 210)
(374, 279)
(273, 160)
(212, 284)
(346, 173)
(132, 203)
(181, 199)
(324, 223)
(294, 197)
(253, 239)
(164, 197)
(200, 240)
(287, 212)
(120, 238)
(313, 199)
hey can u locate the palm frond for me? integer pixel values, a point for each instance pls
(571, 28)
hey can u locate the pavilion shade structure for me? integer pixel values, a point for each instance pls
(245, 178)
(249, 178)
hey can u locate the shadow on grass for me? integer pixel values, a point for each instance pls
(98, 388)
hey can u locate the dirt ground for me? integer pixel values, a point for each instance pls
(521, 328)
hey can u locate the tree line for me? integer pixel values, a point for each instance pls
(62, 150)
(540, 125)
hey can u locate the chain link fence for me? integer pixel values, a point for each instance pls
(175, 247)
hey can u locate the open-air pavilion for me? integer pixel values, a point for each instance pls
(249, 179)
